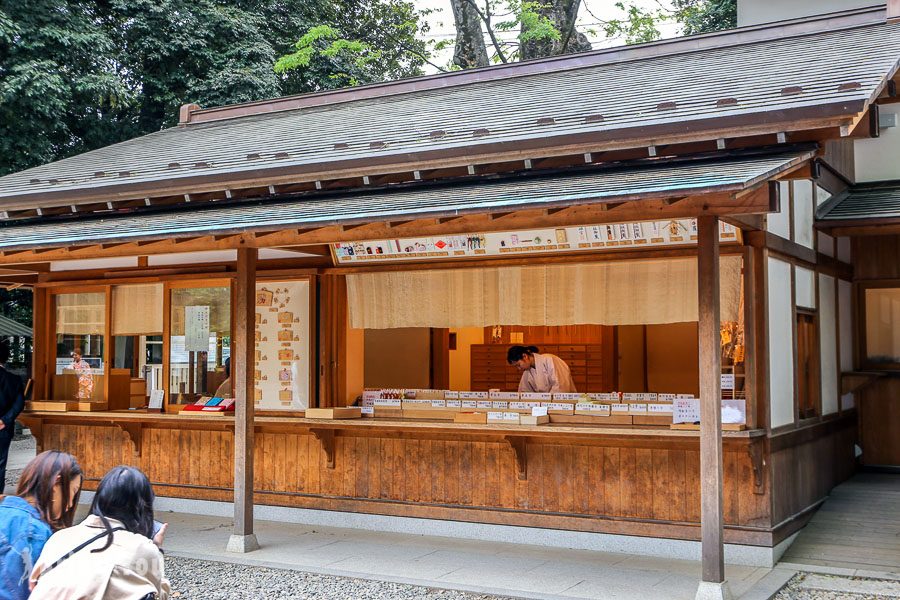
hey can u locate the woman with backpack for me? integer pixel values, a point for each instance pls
(114, 553)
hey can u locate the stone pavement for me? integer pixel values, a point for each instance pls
(470, 565)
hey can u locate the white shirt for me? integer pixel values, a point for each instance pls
(549, 374)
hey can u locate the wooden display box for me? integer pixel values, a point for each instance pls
(336, 412)
(584, 420)
(652, 419)
(388, 412)
(696, 426)
(437, 414)
(479, 418)
(533, 420)
(51, 406)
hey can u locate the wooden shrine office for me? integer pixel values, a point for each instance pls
(646, 213)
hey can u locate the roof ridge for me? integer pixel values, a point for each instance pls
(800, 27)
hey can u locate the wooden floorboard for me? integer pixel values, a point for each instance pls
(858, 527)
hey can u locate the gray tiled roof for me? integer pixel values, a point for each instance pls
(627, 93)
(656, 179)
(10, 328)
(879, 200)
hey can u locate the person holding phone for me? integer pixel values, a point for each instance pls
(116, 552)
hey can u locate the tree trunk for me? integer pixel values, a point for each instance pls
(562, 13)
(470, 50)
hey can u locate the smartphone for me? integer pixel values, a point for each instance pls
(156, 527)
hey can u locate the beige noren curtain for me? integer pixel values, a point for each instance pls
(604, 293)
(137, 309)
(81, 314)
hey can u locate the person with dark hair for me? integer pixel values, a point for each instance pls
(45, 501)
(12, 401)
(114, 553)
(540, 372)
(224, 390)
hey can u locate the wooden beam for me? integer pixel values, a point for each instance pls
(243, 539)
(711, 502)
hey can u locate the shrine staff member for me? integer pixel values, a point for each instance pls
(540, 372)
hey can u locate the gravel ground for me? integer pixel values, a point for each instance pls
(21, 442)
(198, 579)
(800, 588)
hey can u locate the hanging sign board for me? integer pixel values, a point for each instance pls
(196, 328)
(613, 236)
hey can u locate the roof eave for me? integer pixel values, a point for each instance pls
(824, 117)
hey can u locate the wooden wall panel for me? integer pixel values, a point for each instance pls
(875, 257)
(879, 415)
(628, 479)
(806, 464)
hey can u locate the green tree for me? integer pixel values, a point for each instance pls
(81, 74)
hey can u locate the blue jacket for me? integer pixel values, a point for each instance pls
(22, 537)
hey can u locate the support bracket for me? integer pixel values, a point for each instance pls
(135, 434)
(326, 440)
(758, 462)
(518, 444)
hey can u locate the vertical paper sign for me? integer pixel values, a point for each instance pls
(196, 328)
(727, 381)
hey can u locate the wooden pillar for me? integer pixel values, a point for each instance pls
(713, 583)
(42, 345)
(242, 365)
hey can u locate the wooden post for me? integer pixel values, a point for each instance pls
(713, 583)
(243, 539)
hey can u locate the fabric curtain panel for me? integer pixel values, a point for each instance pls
(81, 314)
(606, 293)
(137, 309)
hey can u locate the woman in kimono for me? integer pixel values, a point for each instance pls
(85, 376)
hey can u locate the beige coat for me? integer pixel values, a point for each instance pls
(130, 568)
(549, 374)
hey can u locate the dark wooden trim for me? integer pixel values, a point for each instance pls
(711, 462)
(243, 384)
(781, 439)
(779, 245)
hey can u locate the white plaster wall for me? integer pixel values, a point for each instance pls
(806, 287)
(822, 196)
(779, 223)
(828, 344)
(754, 12)
(93, 263)
(876, 158)
(803, 212)
(843, 250)
(781, 343)
(848, 401)
(825, 244)
(845, 309)
(189, 258)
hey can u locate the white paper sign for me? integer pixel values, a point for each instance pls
(156, 399)
(686, 410)
(727, 381)
(196, 328)
(539, 411)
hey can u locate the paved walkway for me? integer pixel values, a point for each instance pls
(856, 531)
(484, 567)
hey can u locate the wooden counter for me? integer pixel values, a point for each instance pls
(626, 480)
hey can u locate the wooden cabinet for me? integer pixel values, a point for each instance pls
(590, 365)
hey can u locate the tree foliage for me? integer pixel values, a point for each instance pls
(81, 74)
